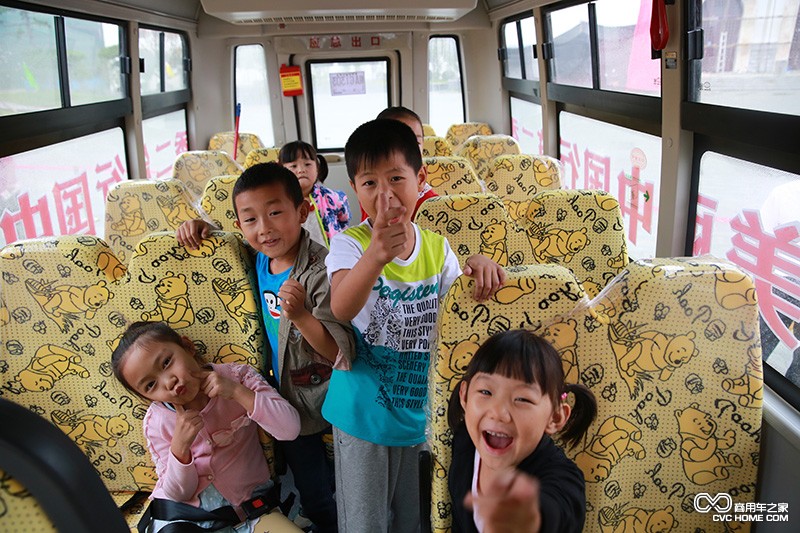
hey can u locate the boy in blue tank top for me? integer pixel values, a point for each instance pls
(387, 277)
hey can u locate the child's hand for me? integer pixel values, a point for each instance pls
(488, 276)
(188, 424)
(293, 298)
(215, 384)
(192, 232)
(509, 505)
(390, 235)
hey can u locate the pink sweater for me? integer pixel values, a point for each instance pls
(226, 452)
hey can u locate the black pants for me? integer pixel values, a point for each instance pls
(313, 477)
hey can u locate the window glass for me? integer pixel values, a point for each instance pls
(175, 74)
(623, 30)
(751, 56)
(623, 162)
(28, 61)
(528, 27)
(164, 140)
(60, 189)
(526, 126)
(445, 94)
(345, 95)
(572, 51)
(757, 228)
(511, 66)
(150, 51)
(93, 63)
(252, 91)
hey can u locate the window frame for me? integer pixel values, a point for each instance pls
(167, 101)
(523, 88)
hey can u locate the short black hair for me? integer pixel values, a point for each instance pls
(265, 174)
(296, 149)
(400, 112)
(156, 331)
(377, 140)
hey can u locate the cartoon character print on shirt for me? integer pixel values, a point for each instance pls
(701, 449)
(619, 519)
(50, 364)
(172, 302)
(272, 305)
(615, 439)
(235, 295)
(132, 221)
(750, 385)
(91, 430)
(639, 354)
(383, 316)
(64, 304)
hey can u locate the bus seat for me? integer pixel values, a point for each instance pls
(428, 131)
(480, 151)
(671, 350)
(65, 306)
(433, 146)
(136, 208)
(579, 229)
(517, 177)
(216, 202)
(224, 141)
(262, 155)
(52, 474)
(196, 167)
(458, 133)
(475, 224)
(451, 175)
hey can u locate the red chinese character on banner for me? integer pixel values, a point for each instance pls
(25, 215)
(355, 41)
(515, 128)
(147, 173)
(571, 157)
(336, 42)
(313, 42)
(375, 40)
(181, 143)
(597, 171)
(704, 225)
(117, 171)
(73, 206)
(162, 147)
(635, 204)
(774, 261)
(541, 141)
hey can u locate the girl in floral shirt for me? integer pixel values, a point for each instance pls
(329, 207)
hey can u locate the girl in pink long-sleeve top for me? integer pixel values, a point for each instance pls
(201, 426)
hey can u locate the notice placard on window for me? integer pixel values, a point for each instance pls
(343, 83)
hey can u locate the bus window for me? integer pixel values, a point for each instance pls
(163, 54)
(445, 87)
(751, 56)
(164, 139)
(523, 85)
(621, 161)
(759, 237)
(29, 62)
(93, 56)
(526, 125)
(344, 95)
(68, 195)
(528, 29)
(252, 92)
(512, 65)
(571, 46)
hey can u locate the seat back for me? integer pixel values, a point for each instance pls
(458, 133)
(217, 202)
(137, 208)
(581, 230)
(475, 224)
(451, 175)
(262, 155)
(517, 177)
(433, 146)
(224, 141)
(69, 299)
(671, 350)
(196, 167)
(427, 130)
(480, 151)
